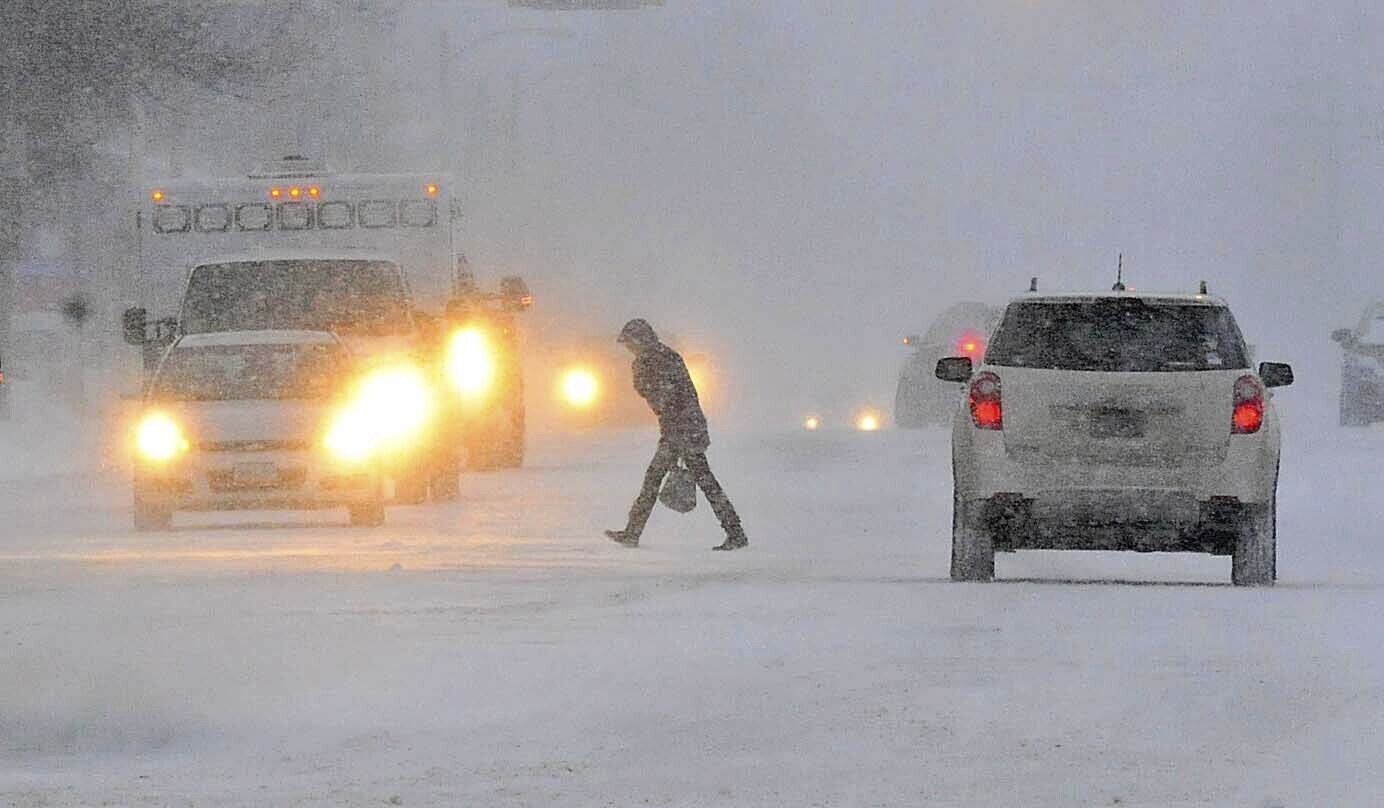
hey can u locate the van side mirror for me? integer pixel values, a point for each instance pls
(135, 324)
(515, 294)
(1341, 335)
(1276, 374)
(954, 369)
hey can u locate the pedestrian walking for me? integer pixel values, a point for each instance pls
(661, 378)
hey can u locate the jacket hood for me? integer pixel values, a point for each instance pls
(638, 333)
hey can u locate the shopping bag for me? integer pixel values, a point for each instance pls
(679, 490)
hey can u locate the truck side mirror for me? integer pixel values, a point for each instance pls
(1341, 335)
(515, 294)
(954, 369)
(1276, 374)
(136, 323)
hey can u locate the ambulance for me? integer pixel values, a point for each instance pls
(368, 258)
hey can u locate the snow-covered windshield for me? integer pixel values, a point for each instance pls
(250, 372)
(346, 296)
(1118, 335)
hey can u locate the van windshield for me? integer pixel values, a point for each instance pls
(1118, 335)
(250, 372)
(346, 296)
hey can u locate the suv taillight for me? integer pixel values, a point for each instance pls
(1248, 413)
(987, 410)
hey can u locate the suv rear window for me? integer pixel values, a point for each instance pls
(1118, 335)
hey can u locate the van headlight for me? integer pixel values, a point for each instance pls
(470, 362)
(390, 411)
(159, 438)
(350, 438)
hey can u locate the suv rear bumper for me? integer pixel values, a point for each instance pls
(1248, 473)
(1095, 519)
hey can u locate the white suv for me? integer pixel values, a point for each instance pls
(253, 420)
(1115, 421)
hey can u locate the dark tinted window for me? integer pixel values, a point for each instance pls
(1119, 335)
(359, 297)
(249, 372)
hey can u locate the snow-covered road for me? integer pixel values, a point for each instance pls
(498, 652)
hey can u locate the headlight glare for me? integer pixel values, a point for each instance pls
(580, 388)
(159, 438)
(390, 411)
(471, 366)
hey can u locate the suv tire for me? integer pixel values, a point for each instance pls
(367, 514)
(973, 545)
(502, 451)
(1254, 561)
(1351, 411)
(151, 518)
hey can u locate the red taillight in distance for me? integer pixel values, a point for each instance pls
(1247, 415)
(987, 410)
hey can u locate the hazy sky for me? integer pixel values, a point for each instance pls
(796, 185)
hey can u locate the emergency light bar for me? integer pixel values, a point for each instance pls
(294, 214)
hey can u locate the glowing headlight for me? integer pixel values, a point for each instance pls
(158, 438)
(580, 388)
(867, 421)
(470, 362)
(390, 410)
(812, 423)
(396, 403)
(350, 437)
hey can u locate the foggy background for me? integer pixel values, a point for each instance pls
(792, 187)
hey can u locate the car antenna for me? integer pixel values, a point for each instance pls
(1119, 275)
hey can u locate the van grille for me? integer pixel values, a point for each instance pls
(254, 446)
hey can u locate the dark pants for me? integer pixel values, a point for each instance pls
(665, 458)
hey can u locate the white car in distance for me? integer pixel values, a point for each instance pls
(252, 420)
(1116, 421)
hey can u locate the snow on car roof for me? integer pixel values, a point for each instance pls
(266, 337)
(1183, 298)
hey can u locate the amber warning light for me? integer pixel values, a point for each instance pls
(156, 195)
(971, 346)
(430, 189)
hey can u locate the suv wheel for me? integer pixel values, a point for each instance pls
(973, 545)
(1254, 562)
(411, 487)
(151, 518)
(368, 514)
(500, 451)
(1352, 413)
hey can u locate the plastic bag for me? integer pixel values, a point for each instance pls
(679, 490)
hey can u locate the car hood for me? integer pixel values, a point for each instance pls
(294, 421)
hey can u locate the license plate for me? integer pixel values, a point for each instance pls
(1117, 424)
(255, 474)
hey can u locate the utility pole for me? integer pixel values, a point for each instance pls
(12, 147)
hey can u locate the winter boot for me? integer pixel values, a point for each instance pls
(735, 539)
(620, 537)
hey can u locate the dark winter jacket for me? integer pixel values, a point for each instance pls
(661, 378)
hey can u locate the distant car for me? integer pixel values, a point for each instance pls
(962, 330)
(256, 420)
(1362, 368)
(1116, 421)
